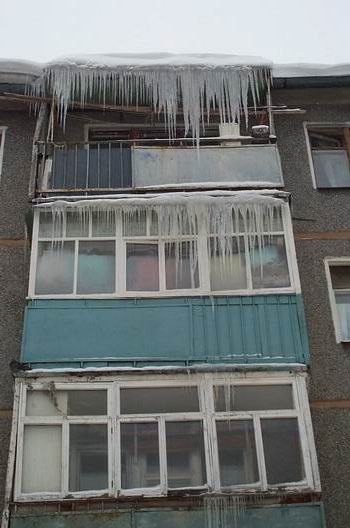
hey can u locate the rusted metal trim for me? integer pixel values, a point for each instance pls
(330, 404)
(13, 242)
(324, 235)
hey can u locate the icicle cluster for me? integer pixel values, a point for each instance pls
(225, 216)
(198, 88)
(224, 511)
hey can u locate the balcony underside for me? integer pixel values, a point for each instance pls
(174, 331)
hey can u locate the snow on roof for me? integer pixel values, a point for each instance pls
(19, 67)
(293, 70)
(158, 60)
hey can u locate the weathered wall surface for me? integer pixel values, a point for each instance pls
(315, 212)
(13, 258)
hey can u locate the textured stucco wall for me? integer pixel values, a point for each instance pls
(13, 258)
(315, 211)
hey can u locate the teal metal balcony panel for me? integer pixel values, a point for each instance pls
(246, 164)
(290, 516)
(173, 331)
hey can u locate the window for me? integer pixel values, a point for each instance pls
(213, 432)
(329, 148)
(126, 255)
(2, 144)
(338, 277)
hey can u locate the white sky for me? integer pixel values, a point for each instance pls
(280, 30)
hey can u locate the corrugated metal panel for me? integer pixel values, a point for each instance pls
(179, 331)
(290, 516)
(258, 164)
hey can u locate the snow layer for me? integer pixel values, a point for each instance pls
(20, 67)
(158, 60)
(310, 70)
(202, 82)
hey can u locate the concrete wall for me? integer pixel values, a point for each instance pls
(315, 213)
(13, 257)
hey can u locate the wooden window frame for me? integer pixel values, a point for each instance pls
(345, 127)
(203, 264)
(2, 146)
(332, 262)
(205, 383)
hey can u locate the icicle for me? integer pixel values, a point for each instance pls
(199, 87)
(224, 511)
(223, 217)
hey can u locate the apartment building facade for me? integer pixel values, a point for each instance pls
(164, 367)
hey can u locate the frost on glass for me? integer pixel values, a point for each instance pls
(139, 455)
(62, 403)
(185, 454)
(181, 267)
(253, 397)
(269, 263)
(152, 400)
(282, 450)
(103, 224)
(96, 267)
(237, 452)
(42, 458)
(227, 274)
(142, 267)
(54, 268)
(88, 457)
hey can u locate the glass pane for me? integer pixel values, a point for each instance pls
(331, 168)
(87, 402)
(327, 138)
(159, 400)
(253, 397)
(181, 265)
(55, 268)
(139, 455)
(42, 458)
(228, 271)
(103, 224)
(343, 307)
(237, 452)
(46, 403)
(283, 456)
(46, 226)
(185, 454)
(340, 277)
(77, 224)
(142, 267)
(61, 402)
(88, 457)
(269, 264)
(96, 267)
(134, 223)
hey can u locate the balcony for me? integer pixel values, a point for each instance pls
(174, 331)
(106, 166)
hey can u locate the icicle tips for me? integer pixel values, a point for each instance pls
(170, 88)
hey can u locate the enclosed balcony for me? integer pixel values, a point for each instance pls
(115, 165)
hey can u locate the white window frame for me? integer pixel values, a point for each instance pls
(2, 146)
(203, 264)
(309, 124)
(205, 384)
(329, 262)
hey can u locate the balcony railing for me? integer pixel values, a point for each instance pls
(122, 165)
